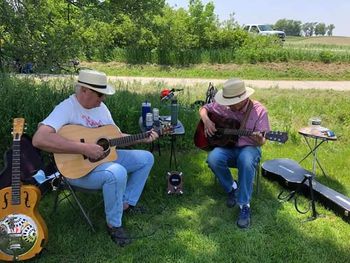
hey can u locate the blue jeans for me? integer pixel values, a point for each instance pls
(117, 186)
(245, 159)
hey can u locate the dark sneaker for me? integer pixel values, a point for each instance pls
(135, 210)
(244, 217)
(119, 236)
(231, 198)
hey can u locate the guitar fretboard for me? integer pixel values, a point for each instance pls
(235, 132)
(128, 140)
(16, 172)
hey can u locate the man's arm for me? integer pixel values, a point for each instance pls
(263, 124)
(48, 140)
(209, 126)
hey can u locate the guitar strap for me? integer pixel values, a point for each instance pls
(246, 115)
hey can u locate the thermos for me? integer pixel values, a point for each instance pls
(174, 111)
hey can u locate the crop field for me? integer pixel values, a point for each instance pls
(337, 41)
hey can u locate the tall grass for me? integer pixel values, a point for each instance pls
(197, 227)
(259, 49)
(269, 71)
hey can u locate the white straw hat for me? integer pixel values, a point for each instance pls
(233, 92)
(95, 80)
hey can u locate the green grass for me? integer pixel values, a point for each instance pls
(197, 227)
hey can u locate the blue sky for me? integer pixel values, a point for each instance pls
(335, 12)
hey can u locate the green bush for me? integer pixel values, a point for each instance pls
(326, 56)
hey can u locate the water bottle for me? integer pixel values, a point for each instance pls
(146, 108)
(149, 121)
(156, 117)
(174, 111)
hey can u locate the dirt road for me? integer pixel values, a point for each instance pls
(282, 84)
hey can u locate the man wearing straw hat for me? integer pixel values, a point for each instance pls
(122, 181)
(233, 103)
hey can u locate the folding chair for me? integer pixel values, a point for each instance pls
(257, 177)
(65, 191)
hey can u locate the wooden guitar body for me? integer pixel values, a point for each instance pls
(77, 165)
(23, 232)
(108, 137)
(219, 139)
(228, 132)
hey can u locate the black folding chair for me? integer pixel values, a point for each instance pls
(65, 191)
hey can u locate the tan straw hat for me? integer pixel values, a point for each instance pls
(95, 80)
(233, 92)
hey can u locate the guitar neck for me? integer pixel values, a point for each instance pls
(235, 132)
(277, 136)
(16, 172)
(128, 140)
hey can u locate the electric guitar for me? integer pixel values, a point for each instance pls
(23, 232)
(228, 132)
(109, 137)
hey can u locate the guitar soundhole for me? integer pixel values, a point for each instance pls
(218, 135)
(104, 143)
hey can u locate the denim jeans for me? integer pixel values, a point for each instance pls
(245, 159)
(121, 181)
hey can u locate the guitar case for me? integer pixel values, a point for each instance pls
(290, 175)
(31, 163)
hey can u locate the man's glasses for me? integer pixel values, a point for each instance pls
(99, 94)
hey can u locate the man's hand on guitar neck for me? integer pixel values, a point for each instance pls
(259, 138)
(153, 135)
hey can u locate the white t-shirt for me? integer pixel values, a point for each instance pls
(70, 111)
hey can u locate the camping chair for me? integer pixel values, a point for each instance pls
(257, 177)
(65, 191)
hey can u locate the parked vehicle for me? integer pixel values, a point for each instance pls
(264, 29)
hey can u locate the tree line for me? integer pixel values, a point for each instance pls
(51, 32)
(297, 28)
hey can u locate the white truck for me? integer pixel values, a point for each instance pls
(264, 29)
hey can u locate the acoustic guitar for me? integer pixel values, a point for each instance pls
(109, 137)
(23, 232)
(228, 132)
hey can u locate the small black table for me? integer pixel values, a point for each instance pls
(179, 129)
(319, 135)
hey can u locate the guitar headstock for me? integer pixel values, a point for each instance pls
(18, 128)
(276, 136)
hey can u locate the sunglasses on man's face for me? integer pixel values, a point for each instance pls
(99, 94)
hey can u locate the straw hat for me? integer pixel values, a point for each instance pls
(233, 92)
(95, 80)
